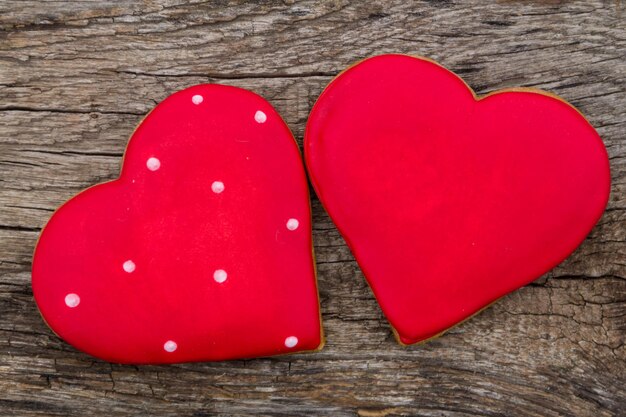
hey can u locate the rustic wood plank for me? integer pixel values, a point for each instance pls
(75, 79)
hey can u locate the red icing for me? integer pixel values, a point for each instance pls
(178, 231)
(449, 202)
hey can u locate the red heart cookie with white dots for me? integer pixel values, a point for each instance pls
(201, 250)
(448, 201)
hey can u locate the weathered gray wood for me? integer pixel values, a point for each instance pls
(75, 79)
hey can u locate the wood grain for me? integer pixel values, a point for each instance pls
(75, 79)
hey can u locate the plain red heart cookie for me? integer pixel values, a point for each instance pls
(201, 250)
(449, 201)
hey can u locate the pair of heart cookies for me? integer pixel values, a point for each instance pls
(201, 250)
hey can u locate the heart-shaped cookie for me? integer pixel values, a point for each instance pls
(201, 250)
(449, 201)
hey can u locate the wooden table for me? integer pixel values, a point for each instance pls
(77, 77)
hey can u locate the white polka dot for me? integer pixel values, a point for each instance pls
(170, 346)
(72, 300)
(129, 266)
(292, 224)
(260, 117)
(220, 276)
(291, 341)
(197, 99)
(217, 187)
(153, 164)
